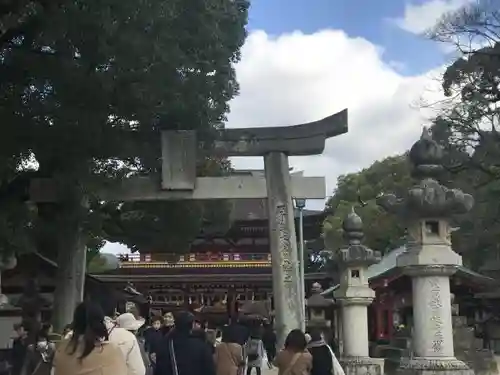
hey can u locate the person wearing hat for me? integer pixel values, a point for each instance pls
(122, 333)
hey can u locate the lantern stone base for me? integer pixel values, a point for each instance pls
(362, 365)
(432, 366)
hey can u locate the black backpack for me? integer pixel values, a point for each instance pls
(253, 349)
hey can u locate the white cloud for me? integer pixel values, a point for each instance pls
(115, 248)
(298, 78)
(419, 18)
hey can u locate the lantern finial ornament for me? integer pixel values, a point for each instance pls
(355, 253)
(353, 228)
(428, 198)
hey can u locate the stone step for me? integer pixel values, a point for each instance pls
(401, 342)
(378, 351)
(481, 361)
(391, 366)
(394, 353)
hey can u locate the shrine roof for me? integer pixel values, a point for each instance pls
(255, 210)
(33, 264)
(387, 263)
(387, 268)
(249, 218)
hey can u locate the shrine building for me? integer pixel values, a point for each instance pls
(221, 272)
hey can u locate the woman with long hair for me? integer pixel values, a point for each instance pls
(88, 351)
(294, 359)
(229, 354)
(255, 352)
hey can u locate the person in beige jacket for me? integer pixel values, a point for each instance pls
(120, 335)
(294, 359)
(86, 351)
(229, 355)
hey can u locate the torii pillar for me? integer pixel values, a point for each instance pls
(275, 144)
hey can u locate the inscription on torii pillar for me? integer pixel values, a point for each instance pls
(275, 144)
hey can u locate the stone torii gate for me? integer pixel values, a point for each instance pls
(275, 144)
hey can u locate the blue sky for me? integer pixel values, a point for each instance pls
(305, 77)
(368, 19)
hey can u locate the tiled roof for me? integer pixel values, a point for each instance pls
(389, 262)
(256, 209)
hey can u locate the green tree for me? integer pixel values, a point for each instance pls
(470, 120)
(359, 190)
(16, 16)
(476, 232)
(468, 126)
(87, 91)
(98, 263)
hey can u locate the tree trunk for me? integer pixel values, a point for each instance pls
(80, 265)
(71, 265)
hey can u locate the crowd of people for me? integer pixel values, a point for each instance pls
(172, 345)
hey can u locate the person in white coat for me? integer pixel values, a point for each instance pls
(255, 353)
(120, 334)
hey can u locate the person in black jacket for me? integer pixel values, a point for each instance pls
(153, 335)
(201, 334)
(239, 331)
(269, 340)
(183, 354)
(322, 358)
(19, 348)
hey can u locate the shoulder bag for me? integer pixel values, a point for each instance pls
(336, 367)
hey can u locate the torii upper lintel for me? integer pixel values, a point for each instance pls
(297, 140)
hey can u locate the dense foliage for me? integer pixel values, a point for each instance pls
(383, 231)
(359, 190)
(84, 93)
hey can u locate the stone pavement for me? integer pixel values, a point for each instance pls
(266, 371)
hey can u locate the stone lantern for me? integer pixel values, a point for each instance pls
(354, 295)
(317, 306)
(429, 258)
